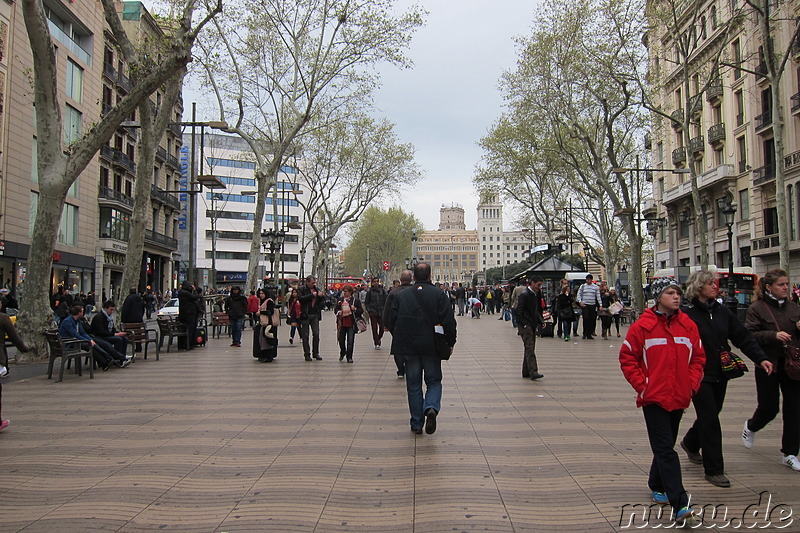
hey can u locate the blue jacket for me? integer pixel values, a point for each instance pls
(71, 328)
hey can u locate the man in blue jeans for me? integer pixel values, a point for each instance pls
(413, 318)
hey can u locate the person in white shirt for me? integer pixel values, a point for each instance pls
(589, 300)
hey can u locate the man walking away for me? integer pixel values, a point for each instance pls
(375, 301)
(414, 314)
(529, 318)
(405, 282)
(589, 300)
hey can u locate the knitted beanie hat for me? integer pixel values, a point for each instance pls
(661, 284)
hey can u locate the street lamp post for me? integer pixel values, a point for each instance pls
(729, 210)
(272, 242)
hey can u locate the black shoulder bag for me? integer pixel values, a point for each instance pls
(443, 350)
(732, 365)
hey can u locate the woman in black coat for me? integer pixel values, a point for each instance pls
(265, 338)
(188, 307)
(717, 326)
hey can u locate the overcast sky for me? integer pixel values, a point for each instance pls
(449, 100)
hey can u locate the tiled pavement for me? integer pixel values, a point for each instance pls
(214, 441)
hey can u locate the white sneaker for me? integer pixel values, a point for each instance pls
(792, 462)
(3, 371)
(749, 437)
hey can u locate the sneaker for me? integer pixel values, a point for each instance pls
(125, 363)
(4, 424)
(720, 480)
(3, 371)
(566, 339)
(694, 457)
(291, 340)
(792, 462)
(685, 517)
(748, 437)
(430, 421)
(400, 376)
(660, 497)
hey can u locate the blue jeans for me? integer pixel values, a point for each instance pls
(236, 329)
(431, 367)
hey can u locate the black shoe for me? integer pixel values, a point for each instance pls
(349, 359)
(106, 366)
(308, 358)
(317, 357)
(341, 357)
(720, 480)
(430, 421)
(416, 431)
(536, 376)
(695, 457)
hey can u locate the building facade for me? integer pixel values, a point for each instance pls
(225, 217)
(731, 145)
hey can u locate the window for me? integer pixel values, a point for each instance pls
(703, 34)
(74, 81)
(744, 204)
(114, 224)
(741, 149)
(771, 221)
(72, 125)
(68, 227)
(739, 107)
(713, 17)
(790, 212)
(737, 58)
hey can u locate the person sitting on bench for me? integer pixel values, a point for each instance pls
(71, 327)
(102, 326)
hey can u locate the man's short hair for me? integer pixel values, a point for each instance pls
(376, 278)
(406, 276)
(422, 272)
(75, 310)
(310, 278)
(109, 304)
(589, 276)
(537, 279)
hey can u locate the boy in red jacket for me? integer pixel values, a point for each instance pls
(662, 358)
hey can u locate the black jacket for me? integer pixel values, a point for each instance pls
(761, 322)
(717, 325)
(389, 299)
(307, 303)
(99, 326)
(132, 309)
(187, 304)
(529, 309)
(236, 306)
(412, 330)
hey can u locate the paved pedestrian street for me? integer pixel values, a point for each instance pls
(212, 440)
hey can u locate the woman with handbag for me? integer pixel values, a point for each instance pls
(265, 333)
(717, 326)
(348, 311)
(774, 321)
(615, 306)
(564, 311)
(293, 310)
(604, 313)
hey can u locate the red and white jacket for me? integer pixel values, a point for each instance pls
(662, 358)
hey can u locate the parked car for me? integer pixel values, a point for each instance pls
(170, 308)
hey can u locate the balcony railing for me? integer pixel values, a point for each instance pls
(110, 194)
(742, 166)
(678, 155)
(792, 160)
(770, 241)
(165, 197)
(117, 157)
(696, 103)
(795, 102)
(763, 174)
(176, 129)
(159, 238)
(70, 43)
(123, 81)
(161, 153)
(677, 118)
(109, 72)
(172, 161)
(716, 133)
(105, 109)
(697, 144)
(761, 70)
(763, 121)
(714, 90)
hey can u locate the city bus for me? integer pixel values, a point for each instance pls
(336, 283)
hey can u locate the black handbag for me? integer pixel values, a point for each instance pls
(443, 350)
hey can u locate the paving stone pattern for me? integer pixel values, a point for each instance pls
(212, 440)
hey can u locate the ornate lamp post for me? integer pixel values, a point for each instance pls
(729, 210)
(272, 242)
